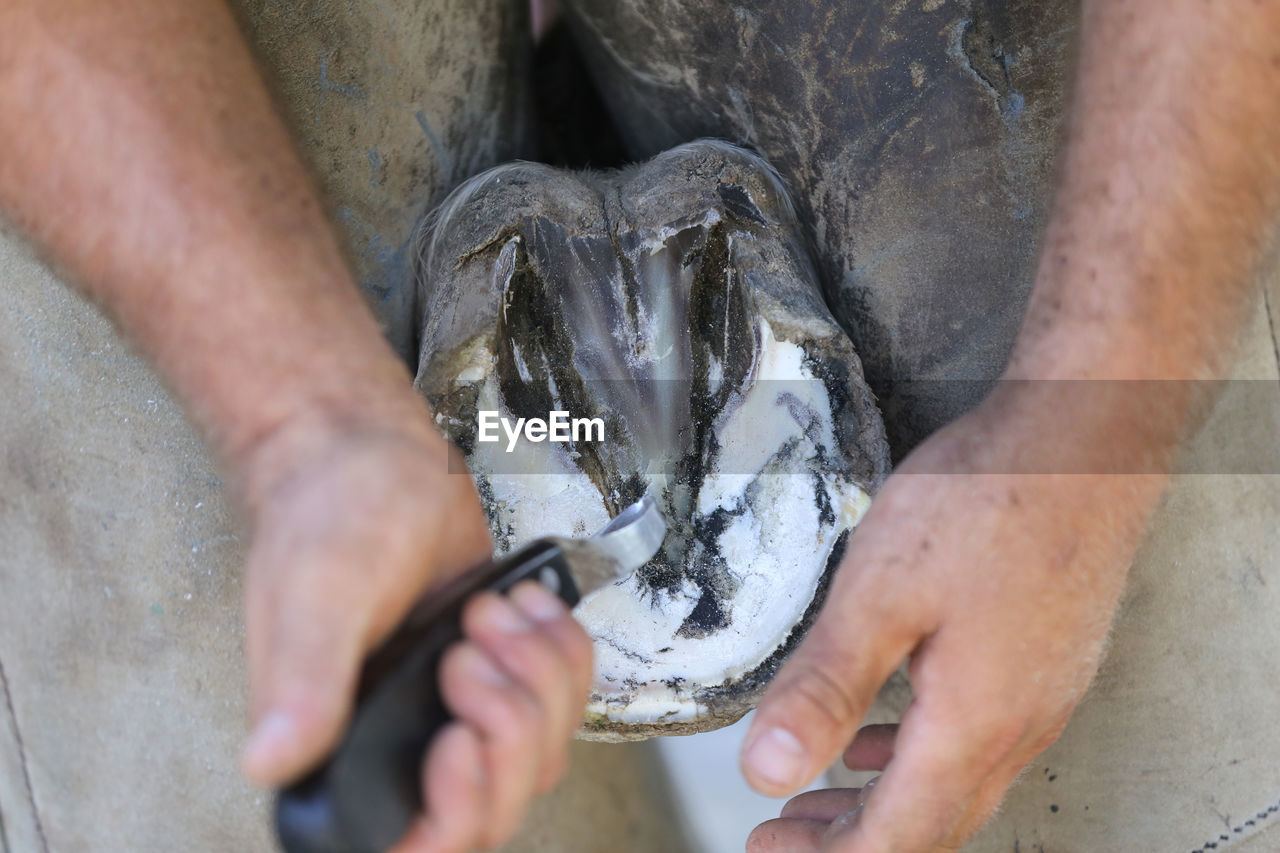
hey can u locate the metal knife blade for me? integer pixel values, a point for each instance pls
(623, 545)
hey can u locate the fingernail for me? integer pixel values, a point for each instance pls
(538, 602)
(778, 757)
(272, 739)
(502, 615)
(478, 666)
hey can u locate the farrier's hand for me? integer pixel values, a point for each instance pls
(348, 535)
(999, 587)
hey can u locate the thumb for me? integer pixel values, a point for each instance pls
(816, 702)
(305, 647)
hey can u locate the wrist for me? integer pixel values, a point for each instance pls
(1083, 426)
(325, 422)
(1114, 377)
(287, 370)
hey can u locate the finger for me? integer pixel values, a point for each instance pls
(826, 804)
(559, 639)
(939, 764)
(573, 648)
(556, 620)
(872, 747)
(787, 835)
(815, 703)
(454, 785)
(512, 637)
(509, 720)
(304, 655)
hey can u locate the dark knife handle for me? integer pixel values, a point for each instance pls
(365, 795)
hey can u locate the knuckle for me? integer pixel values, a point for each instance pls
(532, 659)
(517, 718)
(505, 711)
(827, 696)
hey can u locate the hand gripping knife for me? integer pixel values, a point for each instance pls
(365, 795)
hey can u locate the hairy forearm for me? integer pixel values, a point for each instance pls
(1167, 199)
(139, 149)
